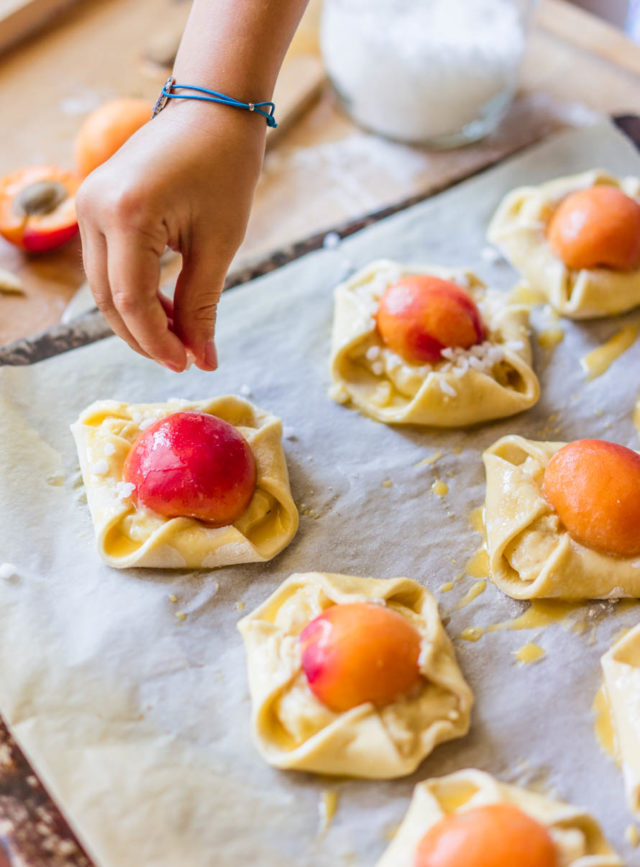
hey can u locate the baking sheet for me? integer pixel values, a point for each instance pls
(139, 723)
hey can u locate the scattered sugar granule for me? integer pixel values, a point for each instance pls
(173, 598)
(239, 606)
(331, 240)
(100, 468)
(245, 391)
(124, 490)
(180, 615)
(387, 483)
(109, 449)
(378, 368)
(8, 572)
(446, 388)
(372, 353)
(490, 254)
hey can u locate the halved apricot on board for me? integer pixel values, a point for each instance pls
(420, 315)
(495, 835)
(360, 652)
(193, 465)
(594, 486)
(37, 208)
(106, 129)
(597, 227)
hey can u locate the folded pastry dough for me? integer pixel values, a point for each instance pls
(489, 381)
(577, 836)
(621, 667)
(293, 729)
(129, 536)
(531, 555)
(519, 229)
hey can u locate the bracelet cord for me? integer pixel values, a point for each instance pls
(266, 109)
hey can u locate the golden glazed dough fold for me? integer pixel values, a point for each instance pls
(293, 729)
(621, 667)
(531, 555)
(131, 537)
(519, 230)
(474, 385)
(577, 836)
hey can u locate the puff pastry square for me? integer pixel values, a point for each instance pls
(621, 667)
(519, 230)
(293, 729)
(128, 536)
(577, 836)
(531, 555)
(485, 382)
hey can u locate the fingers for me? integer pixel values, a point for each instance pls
(133, 269)
(195, 302)
(94, 255)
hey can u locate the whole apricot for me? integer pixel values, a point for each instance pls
(597, 227)
(360, 652)
(420, 315)
(106, 129)
(594, 486)
(495, 835)
(194, 465)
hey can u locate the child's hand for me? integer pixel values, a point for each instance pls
(186, 180)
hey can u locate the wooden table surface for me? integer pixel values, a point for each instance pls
(320, 173)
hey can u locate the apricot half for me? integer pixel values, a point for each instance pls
(37, 208)
(421, 315)
(496, 835)
(193, 465)
(597, 227)
(360, 652)
(106, 129)
(594, 486)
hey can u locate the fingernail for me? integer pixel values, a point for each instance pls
(211, 355)
(174, 367)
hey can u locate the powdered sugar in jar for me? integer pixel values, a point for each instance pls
(437, 72)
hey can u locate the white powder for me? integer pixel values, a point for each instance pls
(8, 572)
(372, 353)
(491, 255)
(245, 390)
(331, 240)
(124, 490)
(146, 422)
(446, 388)
(109, 449)
(419, 71)
(100, 468)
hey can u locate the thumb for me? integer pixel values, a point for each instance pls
(195, 304)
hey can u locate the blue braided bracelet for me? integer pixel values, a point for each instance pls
(266, 109)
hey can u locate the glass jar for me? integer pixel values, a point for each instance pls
(435, 72)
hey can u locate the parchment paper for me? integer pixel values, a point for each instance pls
(139, 723)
